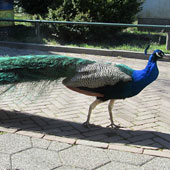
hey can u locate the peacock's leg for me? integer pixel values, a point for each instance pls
(110, 107)
(92, 106)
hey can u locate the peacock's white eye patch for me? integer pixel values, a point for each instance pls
(159, 54)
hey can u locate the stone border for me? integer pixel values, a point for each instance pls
(80, 50)
(120, 147)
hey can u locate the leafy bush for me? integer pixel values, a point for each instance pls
(69, 32)
(112, 11)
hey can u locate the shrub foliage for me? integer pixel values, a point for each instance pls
(112, 11)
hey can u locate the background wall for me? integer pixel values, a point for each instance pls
(155, 12)
(156, 9)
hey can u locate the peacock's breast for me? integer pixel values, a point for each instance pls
(141, 79)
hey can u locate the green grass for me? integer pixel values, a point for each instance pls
(128, 40)
(25, 17)
(2, 133)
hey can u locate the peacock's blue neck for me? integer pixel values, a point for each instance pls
(151, 69)
(142, 78)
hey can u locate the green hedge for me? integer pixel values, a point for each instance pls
(122, 11)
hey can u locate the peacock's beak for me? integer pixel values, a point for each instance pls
(160, 54)
(163, 55)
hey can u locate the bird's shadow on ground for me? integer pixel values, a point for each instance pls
(51, 126)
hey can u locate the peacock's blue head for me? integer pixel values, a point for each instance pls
(158, 54)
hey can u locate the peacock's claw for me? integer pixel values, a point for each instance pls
(86, 124)
(112, 125)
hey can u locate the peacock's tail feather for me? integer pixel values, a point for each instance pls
(38, 67)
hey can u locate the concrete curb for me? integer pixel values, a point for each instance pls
(80, 50)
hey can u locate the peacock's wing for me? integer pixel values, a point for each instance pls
(99, 75)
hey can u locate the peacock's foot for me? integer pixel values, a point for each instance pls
(113, 125)
(87, 124)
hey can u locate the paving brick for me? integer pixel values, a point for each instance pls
(12, 143)
(147, 145)
(92, 143)
(79, 127)
(124, 122)
(139, 132)
(97, 138)
(156, 153)
(98, 131)
(40, 143)
(27, 126)
(125, 148)
(166, 150)
(163, 142)
(113, 139)
(146, 142)
(4, 116)
(155, 146)
(56, 123)
(58, 146)
(27, 121)
(157, 164)
(68, 133)
(84, 157)
(29, 133)
(124, 134)
(60, 139)
(118, 166)
(51, 131)
(67, 128)
(10, 130)
(165, 136)
(35, 158)
(141, 122)
(39, 121)
(4, 161)
(142, 137)
(148, 125)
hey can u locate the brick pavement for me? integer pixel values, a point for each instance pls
(56, 113)
(20, 152)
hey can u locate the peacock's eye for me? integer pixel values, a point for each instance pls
(160, 54)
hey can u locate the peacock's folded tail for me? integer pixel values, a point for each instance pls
(38, 67)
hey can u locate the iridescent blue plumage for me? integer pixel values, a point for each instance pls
(142, 78)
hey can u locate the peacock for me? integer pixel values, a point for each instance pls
(105, 81)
